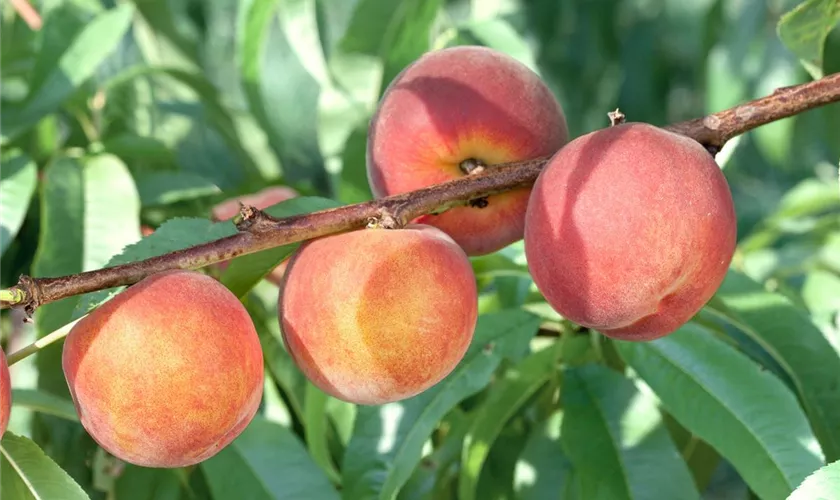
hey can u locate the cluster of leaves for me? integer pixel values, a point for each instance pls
(149, 113)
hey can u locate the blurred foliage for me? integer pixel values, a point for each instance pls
(117, 115)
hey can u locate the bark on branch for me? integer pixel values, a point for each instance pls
(259, 231)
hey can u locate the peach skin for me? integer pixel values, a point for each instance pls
(168, 372)
(378, 315)
(451, 111)
(630, 231)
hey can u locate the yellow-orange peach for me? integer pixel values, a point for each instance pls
(378, 315)
(5, 393)
(451, 110)
(263, 199)
(630, 230)
(168, 372)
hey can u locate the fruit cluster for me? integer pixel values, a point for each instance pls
(628, 230)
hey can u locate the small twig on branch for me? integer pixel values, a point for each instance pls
(259, 231)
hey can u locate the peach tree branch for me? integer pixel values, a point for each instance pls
(258, 231)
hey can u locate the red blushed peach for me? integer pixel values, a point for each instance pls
(5, 393)
(378, 315)
(630, 231)
(455, 105)
(168, 372)
(263, 199)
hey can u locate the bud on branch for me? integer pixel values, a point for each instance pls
(258, 231)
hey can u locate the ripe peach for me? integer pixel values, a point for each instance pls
(450, 109)
(378, 315)
(263, 199)
(5, 393)
(630, 230)
(168, 372)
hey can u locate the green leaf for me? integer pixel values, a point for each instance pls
(163, 188)
(246, 271)
(142, 483)
(804, 30)
(789, 336)
(498, 34)
(18, 178)
(388, 440)
(89, 211)
(78, 63)
(543, 468)
(824, 484)
(748, 415)
(266, 461)
(281, 93)
(28, 473)
(44, 402)
(396, 32)
(505, 399)
(616, 440)
(315, 427)
(175, 234)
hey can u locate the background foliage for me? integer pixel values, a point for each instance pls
(118, 115)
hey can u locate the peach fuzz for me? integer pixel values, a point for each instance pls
(5, 393)
(630, 231)
(378, 315)
(262, 199)
(168, 372)
(458, 104)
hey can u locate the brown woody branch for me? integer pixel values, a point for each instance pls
(258, 231)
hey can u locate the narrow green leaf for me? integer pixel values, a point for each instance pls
(388, 440)
(789, 336)
(175, 234)
(748, 415)
(505, 399)
(266, 462)
(498, 34)
(804, 30)
(246, 271)
(30, 474)
(78, 63)
(282, 95)
(315, 428)
(615, 438)
(89, 211)
(18, 178)
(824, 484)
(143, 483)
(163, 188)
(543, 469)
(44, 402)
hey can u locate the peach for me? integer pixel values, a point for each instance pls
(630, 231)
(378, 315)
(452, 110)
(168, 372)
(263, 199)
(5, 393)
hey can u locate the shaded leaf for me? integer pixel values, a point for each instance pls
(266, 461)
(756, 423)
(616, 440)
(18, 178)
(543, 469)
(315, 426)
(804, 30)
(388, 440)
(78, 63)
(163, 188)
(44, 402)
(506, 398)
(30, 474)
